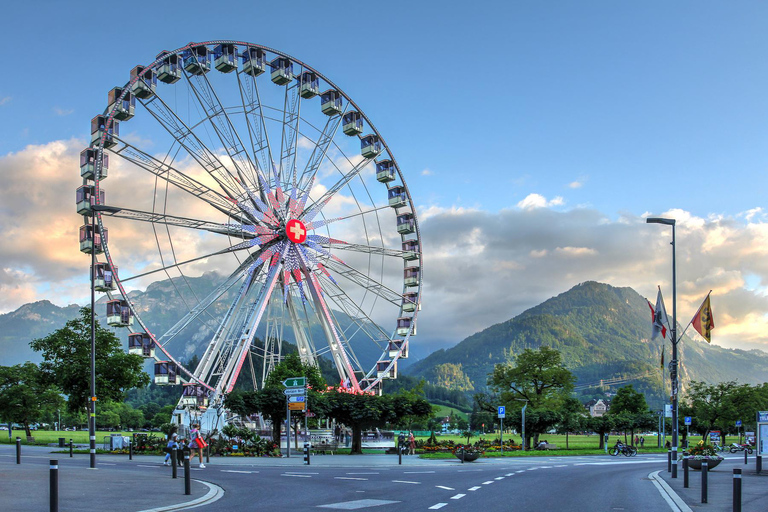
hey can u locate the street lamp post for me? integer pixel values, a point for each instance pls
(673, 330)
(523, 419)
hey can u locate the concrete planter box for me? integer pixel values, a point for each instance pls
(711, 463)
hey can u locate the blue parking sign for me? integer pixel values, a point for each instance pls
(502, 411)
(687, 420)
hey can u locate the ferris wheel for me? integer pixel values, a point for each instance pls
(242, 164)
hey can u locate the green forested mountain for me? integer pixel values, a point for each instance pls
(603, 332)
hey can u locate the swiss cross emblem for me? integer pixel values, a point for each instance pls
(295, 231)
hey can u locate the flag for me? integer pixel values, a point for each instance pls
(660, 320)
(703, 321)
(653, 316)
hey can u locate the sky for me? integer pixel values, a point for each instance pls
(535, 138)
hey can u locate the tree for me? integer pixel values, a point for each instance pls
(539, 377)
(718, 406)
(25, 395)
(629, 411)
(66, 362)
(572, 417)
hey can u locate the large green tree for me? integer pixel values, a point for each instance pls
(539, 378)
(66, 363)
(25, 395)
(630, 412)
(719, 406)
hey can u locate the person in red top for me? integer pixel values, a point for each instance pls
(196, 442)
(411, 444)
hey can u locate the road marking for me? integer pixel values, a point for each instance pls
(657, 461)
(446, 488)
(509, 474)
(300, 473)
(404, 482)
(488, 482)
(458, 496)
(236, 471)
(106, 464)
(354, 505)
(474, 488)
(437, 506)
(416, 472)
(521, 471)
(348, 478)
(468, 470)
(673, 500)
(143, 466)
(297, 476)
(371, 473)
(561, 466)
(545, 467)
(499, 478)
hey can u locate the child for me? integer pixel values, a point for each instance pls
(172, 445)
(196, 443)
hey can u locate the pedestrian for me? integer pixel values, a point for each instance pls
(196, 442)
(172, 445)
(642, 442)
(337, 433)
(180, 451)
(411, 444)
(637, 440)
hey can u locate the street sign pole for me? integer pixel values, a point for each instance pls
(288, 429)
(501, 435)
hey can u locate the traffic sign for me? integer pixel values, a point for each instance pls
(297, 399)
(502, 412)
(296, 406)
(738, 423)
(294, 391)
(295, 382)
(687, 420)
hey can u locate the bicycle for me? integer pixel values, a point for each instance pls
(626, 450)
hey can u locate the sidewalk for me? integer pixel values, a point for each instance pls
(754, 487)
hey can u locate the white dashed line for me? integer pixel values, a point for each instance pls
(416, 472)
(371, 473)
(509, 474)
(499, 478)
(348, 478)
(106, 464)
(488, 482)
(297, 476)
(474, 488)
(404, 482)
(458, 496)
(437, 506)
(468, 470)
(446, 488)
(561, 466)
(143, 466)
(237, 471)
(521, 471)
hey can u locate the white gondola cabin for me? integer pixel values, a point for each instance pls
(383, 373)
(404, 326)
(411, 276)
(282, 70)
(225, 58)
(119, 314)
(197, 60)
(89, 243)
(85, 197)
(165, 373)
(410, 301)
(385, 171)
(254, 61)
(406, 223)
(103, 277)
(352, 123)
(330, 102)
(145, 84)
(99, 129)
(140, 344)
(373, 388)
(309, 85)
(124, 105)
(194, 395)
(398, 347)
(370, 146)
(169, 72)
(397, 196)
(88, 164)
(411, 250)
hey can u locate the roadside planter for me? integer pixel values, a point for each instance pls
(694, 461)
(467, 456)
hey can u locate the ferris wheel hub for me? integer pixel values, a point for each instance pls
(296, 231)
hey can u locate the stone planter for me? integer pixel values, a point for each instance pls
(468, 456)
(711, 463)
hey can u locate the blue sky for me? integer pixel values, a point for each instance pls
(570, 117)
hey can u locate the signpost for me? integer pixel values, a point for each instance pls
(295, 382)
(762, 433)
(687, 424)
(502, 415)
(295, 393)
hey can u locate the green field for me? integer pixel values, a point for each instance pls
(51, 436)
(444, 411)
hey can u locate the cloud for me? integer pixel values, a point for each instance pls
(427, 172)
(63, 112)
(5, 100)
(533, 201)
(575, 184)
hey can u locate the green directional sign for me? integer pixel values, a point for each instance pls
(295, 382)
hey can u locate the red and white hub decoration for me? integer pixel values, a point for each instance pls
(296, 231)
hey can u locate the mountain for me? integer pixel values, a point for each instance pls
(30, 321)
(602, 332)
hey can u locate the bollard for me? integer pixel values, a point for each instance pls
(745, 455)
(54, 485)
(207, 454)
(736, 490)
(704, 468)
(685, 473)
(18, 450)
(758, 463)
(130, 449)
(187, 481)
(71, 449)
(399, 454)
(306, 454)
(669, 461)
(174, 462)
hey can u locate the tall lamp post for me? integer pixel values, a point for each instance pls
(673, 330)
(523, 419)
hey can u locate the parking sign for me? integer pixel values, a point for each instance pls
(502, 411)
(687, 420)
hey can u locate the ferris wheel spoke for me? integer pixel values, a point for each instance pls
(366, 249)
(303, 340)
(195, 147)
(350, 308)
(217, 116)
(289, 138)
(319, 152)
(361, 279)
(318, 205)
(257, 130)
(233, 230)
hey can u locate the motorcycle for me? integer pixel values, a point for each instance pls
(741, 447)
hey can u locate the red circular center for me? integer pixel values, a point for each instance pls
(295, 231)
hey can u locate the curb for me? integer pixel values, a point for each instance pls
(674, 501)
(214, 493)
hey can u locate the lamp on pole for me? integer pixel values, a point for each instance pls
(673, 331)
(523, 419)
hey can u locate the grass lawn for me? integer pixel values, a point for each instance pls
(51, 436)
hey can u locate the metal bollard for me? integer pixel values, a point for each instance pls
(187, 481)
(54, 485)
(207, 453)
(758, 463)
(736, 490)
(685, 473)
(669, 461)
(399, 454)
(130, 449)
(18, 450)
(71, 449)
(704, 467)
(306, 454)
(745, 455)
(174, 462)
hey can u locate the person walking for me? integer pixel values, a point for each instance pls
(172, 445)
(196, 442)
(642, 442)
(411, 444)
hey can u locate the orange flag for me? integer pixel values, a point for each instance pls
(703, 321)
